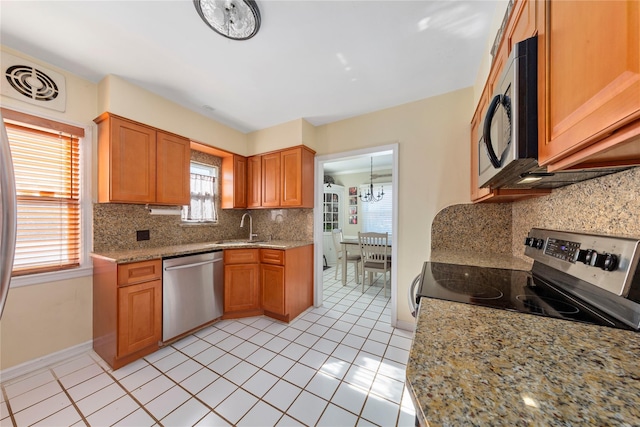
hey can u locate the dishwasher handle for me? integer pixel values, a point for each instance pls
(195, 264)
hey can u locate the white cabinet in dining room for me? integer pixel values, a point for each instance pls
(333, 217)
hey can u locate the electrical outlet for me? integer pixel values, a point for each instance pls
(142, 235)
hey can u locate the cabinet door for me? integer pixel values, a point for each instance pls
(524, 22)
(254, 182)
(173, 159)
(271, 180)
(272, 281)
(291, 179)
(234, 182)
(297, 178)
(240, 181)
(592, 85)
(139, 316)
(132, 168)
(241, 288)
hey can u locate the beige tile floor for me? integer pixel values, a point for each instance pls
(338, 365)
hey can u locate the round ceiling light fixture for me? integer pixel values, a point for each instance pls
(234, 19)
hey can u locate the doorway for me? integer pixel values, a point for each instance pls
(345, 158)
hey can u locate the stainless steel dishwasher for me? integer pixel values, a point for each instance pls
(192, 292)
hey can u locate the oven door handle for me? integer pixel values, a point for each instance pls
(486, 137)
(413, 306)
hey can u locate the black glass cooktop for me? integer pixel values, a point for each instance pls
(514, 290)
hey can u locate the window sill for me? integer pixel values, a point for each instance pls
(56, 276)
(199, 224)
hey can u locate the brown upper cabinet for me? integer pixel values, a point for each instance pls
(589, 99)
(271, 180)
(254, 182)
(281, 179)
(140, 164)
(234, 182)
(588, 85)
(520, 25)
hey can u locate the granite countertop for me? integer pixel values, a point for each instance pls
(473, 365)
(126, 256)
(493, 260)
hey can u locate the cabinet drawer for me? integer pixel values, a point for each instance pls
(241, 256)
(137, 272)
(272, 256)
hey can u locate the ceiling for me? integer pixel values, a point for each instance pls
(382, 160)
(318, 60)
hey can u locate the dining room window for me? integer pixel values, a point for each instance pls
(377, 216)
(204, 190)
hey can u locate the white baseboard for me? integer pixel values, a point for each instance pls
(407, 326)
(44, 361)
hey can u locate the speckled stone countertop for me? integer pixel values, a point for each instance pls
(472, 365)
(122, 257)
(494, 260)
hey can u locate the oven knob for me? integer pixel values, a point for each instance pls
(582, 256)
(586, 256)
(607, 262)
(528, 241)
(538, 243)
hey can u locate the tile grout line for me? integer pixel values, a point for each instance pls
(352, 309)
(6, 401)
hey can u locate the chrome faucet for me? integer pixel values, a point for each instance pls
(251, 235)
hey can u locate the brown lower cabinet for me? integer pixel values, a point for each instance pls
(241, 283)
(274, 282)
(127, 310)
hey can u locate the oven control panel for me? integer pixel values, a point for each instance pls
(562, 249)
(608, 262)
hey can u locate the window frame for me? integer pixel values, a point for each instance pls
(86, 207)
(216, 197)
(363, 211)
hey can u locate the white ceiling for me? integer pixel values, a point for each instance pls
(382, 160)
(319, 60)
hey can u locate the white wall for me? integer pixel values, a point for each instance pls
(289, 134)
(356, 180)
(433, 173)
(46, 318)
(433, 167)
(125, 99)
(485, 65)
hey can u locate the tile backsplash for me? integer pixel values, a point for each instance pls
(605, 205)
(481, 227)
(115, 224)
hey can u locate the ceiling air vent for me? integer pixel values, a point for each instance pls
(32, 83)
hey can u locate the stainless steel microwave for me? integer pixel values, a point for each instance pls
(508, 146)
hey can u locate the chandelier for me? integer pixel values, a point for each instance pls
(234, 19)
(369, 196)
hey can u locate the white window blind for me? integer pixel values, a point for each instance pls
(376, 216)
(47, 176)
(203, 195)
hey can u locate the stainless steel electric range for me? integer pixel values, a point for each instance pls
(575, 276)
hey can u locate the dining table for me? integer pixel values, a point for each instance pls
(351, 242)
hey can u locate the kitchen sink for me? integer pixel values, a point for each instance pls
(234, 242)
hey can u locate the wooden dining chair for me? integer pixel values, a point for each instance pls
(374, 249)
(354, 259)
